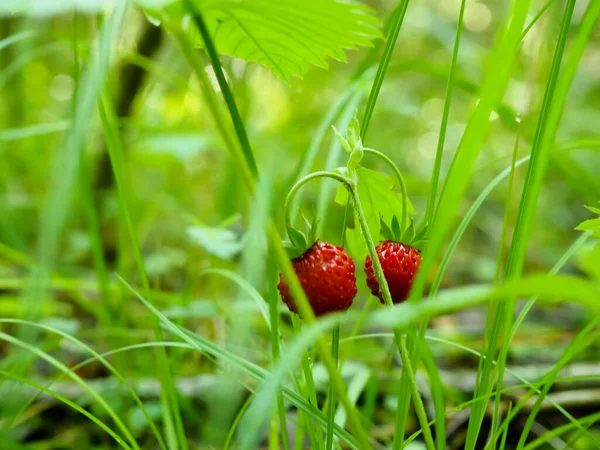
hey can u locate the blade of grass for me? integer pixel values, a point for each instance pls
(437, 393)
(497, 75)
(310, 390)
(204, 345)
(583, 339)
(586, 421)
(534, 387)
(246, 164)
(536, 18)
(398, 18)
(275, 346)
(212, 101)
(77, 379)
(335, 352)
(549, 118)
(68, 402)
(85, 186)
(236, 422)
(565, 359)
(555, 269)
(437, 165)
(170, 404)
(417, 401)
(236, 119)
(96, 357)
(492, 310)
(407, 314)
(57, 204)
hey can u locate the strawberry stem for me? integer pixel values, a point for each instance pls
(400, 178)
(293, 232)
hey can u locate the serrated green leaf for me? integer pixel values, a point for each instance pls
(287, 37)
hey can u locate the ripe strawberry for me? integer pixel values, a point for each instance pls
(400, 264)
(326, 273)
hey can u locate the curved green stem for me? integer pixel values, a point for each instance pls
(403, 190)
(350, 186)
(302, 181)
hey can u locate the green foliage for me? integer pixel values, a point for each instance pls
(592, 225)
(221, 242)
(279, 35)
(285, 38)
(209, 305)
(380, 202)
(51, 7)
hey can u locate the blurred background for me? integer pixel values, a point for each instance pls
(191, 212)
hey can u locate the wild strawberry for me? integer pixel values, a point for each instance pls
(400, 264)
(326, 273)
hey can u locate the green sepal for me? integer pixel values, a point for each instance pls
(409, 234)
(312, 229)
(292, 250)
(352, 143)
(353, 133)
(297, 237)
(342, 140)
(422, 233)
(386, 232)
(396, 231)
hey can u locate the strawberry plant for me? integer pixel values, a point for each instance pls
(243, 224)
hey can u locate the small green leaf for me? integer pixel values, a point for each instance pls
(353, 133)
(592, 225)
(589, 225)
(345, 144)
(220, 242)
(354, 161)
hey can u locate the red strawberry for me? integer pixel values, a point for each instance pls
(326, 273)
(400, 264)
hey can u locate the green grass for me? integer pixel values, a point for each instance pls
(105, 283)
